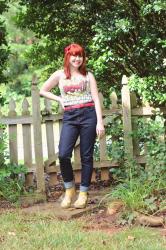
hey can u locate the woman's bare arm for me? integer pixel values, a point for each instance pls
(95, 96)
(52, 82)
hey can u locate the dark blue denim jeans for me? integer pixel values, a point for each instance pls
(78, 122)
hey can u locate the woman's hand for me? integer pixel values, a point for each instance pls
(61, 102)
(100, 130)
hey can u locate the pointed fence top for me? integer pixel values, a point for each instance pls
(124, 80)
(113, 99)
(12, 107)
(25, 107)
(34, 79)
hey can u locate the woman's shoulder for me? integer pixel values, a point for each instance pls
(90, 74)
(59, 73)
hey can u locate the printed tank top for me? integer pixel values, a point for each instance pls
(75, 90)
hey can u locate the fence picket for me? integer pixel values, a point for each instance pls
(114, 100)
(127, 125)
(27, 144)
(51, 151)
(13, 134)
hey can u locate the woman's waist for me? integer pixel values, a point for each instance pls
(79, 105)
(74, 100)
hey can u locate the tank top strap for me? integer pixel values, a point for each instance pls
(87, 77)
(61, 78)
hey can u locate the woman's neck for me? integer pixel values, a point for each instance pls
(74, 72)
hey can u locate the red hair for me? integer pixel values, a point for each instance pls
(74, 50)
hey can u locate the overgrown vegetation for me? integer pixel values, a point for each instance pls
(142, 188)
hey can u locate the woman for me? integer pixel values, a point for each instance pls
(82, 117)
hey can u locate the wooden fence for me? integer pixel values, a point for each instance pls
(31, 129)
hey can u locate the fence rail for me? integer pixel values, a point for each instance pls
(127, 109)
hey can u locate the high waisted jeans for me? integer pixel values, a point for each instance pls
(78, 122)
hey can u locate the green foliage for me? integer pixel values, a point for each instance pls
(12, 181)
(4, 50)
(151, 133)
(127, 40)
(120, 37)
(19, 70)
(133, 193)
(151, 88)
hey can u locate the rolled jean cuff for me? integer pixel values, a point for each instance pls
(69, 184)
(84, 189)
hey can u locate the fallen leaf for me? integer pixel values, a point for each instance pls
(12, 233)
(104, 242)
(130, 237)
(101, 211)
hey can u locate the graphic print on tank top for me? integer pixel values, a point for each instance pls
(75, 90)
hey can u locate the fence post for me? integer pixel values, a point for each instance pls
(36, 117)
(134, 120)
(50, 143)
(126, 115)
(13, 147)
(27, 144)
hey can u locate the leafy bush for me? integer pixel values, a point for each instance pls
(151, 89)
(12, 181)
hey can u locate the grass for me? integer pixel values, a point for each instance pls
(38, 232)
(133, 193)
(139, 195)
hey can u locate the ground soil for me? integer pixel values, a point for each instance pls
(101, 221)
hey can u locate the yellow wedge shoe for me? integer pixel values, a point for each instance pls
(69, 195)
(81, 202)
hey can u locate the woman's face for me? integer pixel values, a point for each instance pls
(76, 61)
